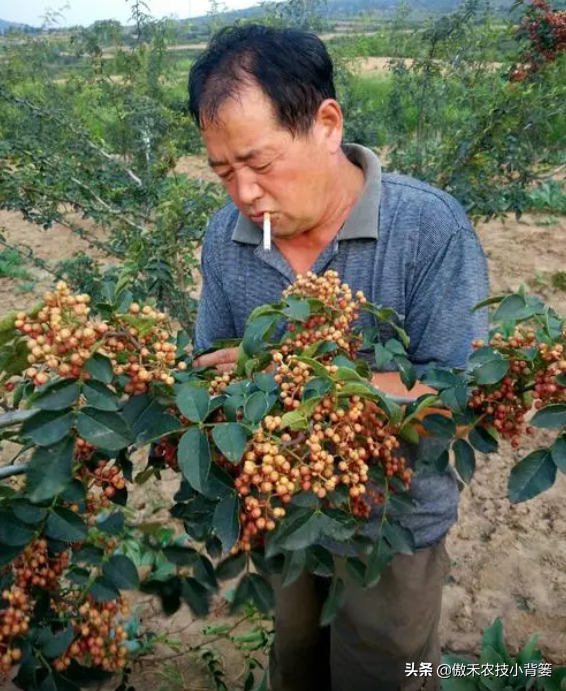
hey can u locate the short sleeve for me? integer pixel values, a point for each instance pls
(214, 318)
(450, 277)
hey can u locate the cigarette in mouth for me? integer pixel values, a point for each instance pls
(266, 231)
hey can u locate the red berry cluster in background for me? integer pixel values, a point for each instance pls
(545, 31)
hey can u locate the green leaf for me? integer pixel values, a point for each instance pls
(196, 596)
(558, 451)
(194, 458)
(483, 355)
(8, 553)
(511, 307)
(333, 602)
(99, 396)
(149, 419)
(318, 369)
(180, 555)
(13, 532)
(439, 378)
(231, 438)
(50, 470)
(59, 395)
(382, 356)
(48, 427)
(104, 428)
(28, 513)
(320, 561)
(56, 644)
(400, 539)
(122, 572)
(440, 425)
(316, 387)
(265, 382)
(203, 571)
(296, 419)
(532, 475)
(257, 331)
(550, 417)
(302, 532)
(492, 300)
(226, 521)
(219, 485)
(455, 398)
(379, 558)
(491, 372)
(493, 637)
(356, 568)
(193, 402)
(113, 524)
(256, 590)
(65, 525)
(103, 590)
(337, 525)
(100, 368)
(406, 370)
(88, 554)
(465, 459)
(482, 440)
(231, 567)
(295, 562)
(256, 407)
(296, 309)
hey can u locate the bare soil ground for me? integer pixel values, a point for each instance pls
(376, 65)
(507, 561)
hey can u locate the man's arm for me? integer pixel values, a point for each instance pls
(214, 318)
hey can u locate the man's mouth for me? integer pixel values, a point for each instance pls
(257, 218)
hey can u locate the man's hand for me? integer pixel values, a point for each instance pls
(224, 359)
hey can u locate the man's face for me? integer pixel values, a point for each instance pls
(264, 168)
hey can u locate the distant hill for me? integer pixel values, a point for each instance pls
(7, 26)
(350, 9)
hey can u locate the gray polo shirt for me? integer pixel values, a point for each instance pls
(406, 245)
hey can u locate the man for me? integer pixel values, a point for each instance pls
(265, 102)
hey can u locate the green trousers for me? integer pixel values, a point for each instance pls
(375, 636)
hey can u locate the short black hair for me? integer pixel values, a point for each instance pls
(292, 68)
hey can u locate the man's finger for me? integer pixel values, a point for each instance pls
(223, 356)
(226, 368)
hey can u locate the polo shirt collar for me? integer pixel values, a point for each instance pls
(363, 221)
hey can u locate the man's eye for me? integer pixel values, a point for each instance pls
(225, 175)
(262, 169)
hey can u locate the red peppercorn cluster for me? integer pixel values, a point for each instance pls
(15, 609)
(545, 30)
(37, 568)
(99, 636)
(339, 310)
(505, 405)
(62, 338)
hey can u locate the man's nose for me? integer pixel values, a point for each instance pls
(248, 189)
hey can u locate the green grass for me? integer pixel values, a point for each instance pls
(549, 196)
(11, 265)
(558, 280)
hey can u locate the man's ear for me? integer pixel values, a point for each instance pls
(329, 123)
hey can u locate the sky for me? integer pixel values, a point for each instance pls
(85, 12)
